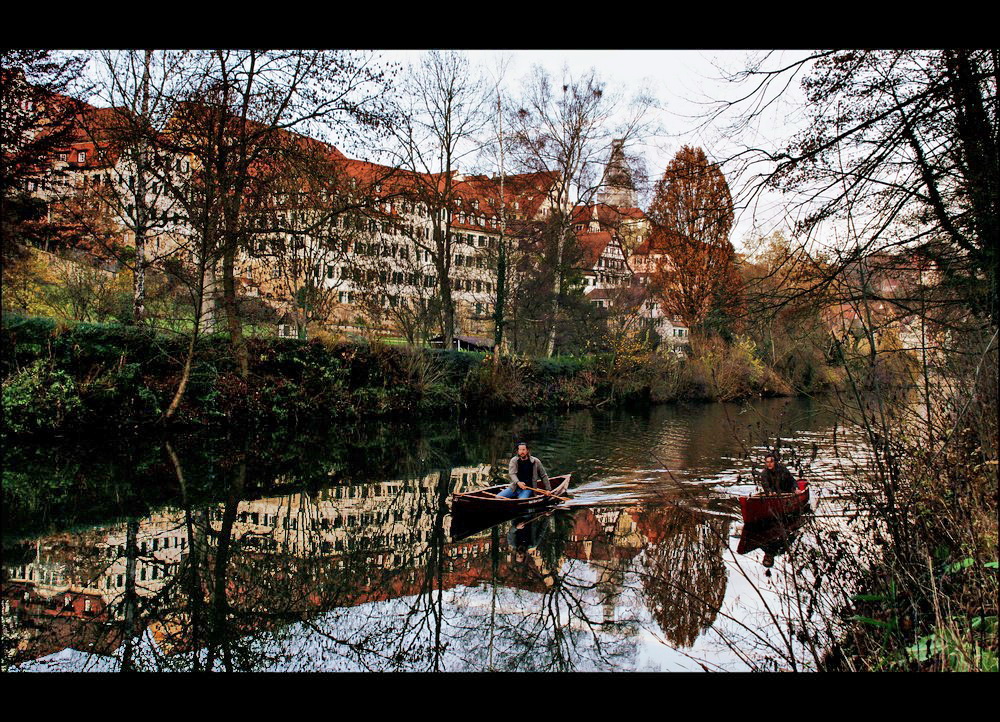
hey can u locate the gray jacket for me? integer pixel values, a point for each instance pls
(537, 474)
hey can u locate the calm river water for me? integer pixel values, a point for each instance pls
(339, 552)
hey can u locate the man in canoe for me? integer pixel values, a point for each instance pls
(776, 478)
(525, 471)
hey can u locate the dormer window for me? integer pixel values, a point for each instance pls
(62, 156)
(81, 156)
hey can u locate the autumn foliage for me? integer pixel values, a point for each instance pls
(692, 215)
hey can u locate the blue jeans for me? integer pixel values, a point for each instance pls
(508, 493)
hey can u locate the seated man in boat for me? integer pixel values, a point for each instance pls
(525, 471)
(776, 478)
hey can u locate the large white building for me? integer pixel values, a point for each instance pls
(372, 263)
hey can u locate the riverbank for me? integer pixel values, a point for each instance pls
(60, 378)
(927, 599)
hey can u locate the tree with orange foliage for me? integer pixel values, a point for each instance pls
(692, 215)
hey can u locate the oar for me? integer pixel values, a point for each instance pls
(549, 493)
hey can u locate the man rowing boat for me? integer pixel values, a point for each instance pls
(525, 472)
(776, 478)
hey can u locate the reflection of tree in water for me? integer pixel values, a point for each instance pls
(546, 613)
(684, 574)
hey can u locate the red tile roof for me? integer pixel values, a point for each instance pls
(656, 242)
(593, 246)
(96, 131)
(609, 217)
(595, 294)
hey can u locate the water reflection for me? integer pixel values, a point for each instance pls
(684, 575)
(331, 570)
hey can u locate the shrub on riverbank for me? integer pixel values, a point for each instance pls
(929, 600)
(59, 377)
(924, 590)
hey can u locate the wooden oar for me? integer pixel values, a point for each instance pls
(508, 498)
(549, 493)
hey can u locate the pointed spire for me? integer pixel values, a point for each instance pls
(617, 187)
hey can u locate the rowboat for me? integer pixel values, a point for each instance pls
(485, 501)
(764, 507)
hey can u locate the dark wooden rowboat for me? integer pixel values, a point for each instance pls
(485, 501)
(767, 507)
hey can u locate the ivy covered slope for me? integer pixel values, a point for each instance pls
(60, 378)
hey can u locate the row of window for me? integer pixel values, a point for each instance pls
(470, 261)
(471, 239)
(146, 572)
(339, 521)
(470, 286)
(156, 544)
(615, 280)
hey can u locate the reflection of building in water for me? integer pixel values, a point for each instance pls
(609, 539)
(69, 586)
(69, 582)
(95, 565)
(393, 519)
(365, 542)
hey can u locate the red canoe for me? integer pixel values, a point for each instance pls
(764, 507)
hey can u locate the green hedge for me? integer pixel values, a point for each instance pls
(60, 377)
(83, 376)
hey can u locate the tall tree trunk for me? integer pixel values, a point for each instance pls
(443, 267)
(199, 307)
(232, 311)
(556, 291)
(498, 311)
(142, 213)
(220, 610)
(131, 595)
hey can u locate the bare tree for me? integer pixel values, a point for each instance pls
(233, 127)
(321, 212)
(562, 132)
(139, 88)
(900, 152)
(442, 118)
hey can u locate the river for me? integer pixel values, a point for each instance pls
(337, 550)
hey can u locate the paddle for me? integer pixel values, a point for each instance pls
(549, 493)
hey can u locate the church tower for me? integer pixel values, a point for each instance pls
(617, 187)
